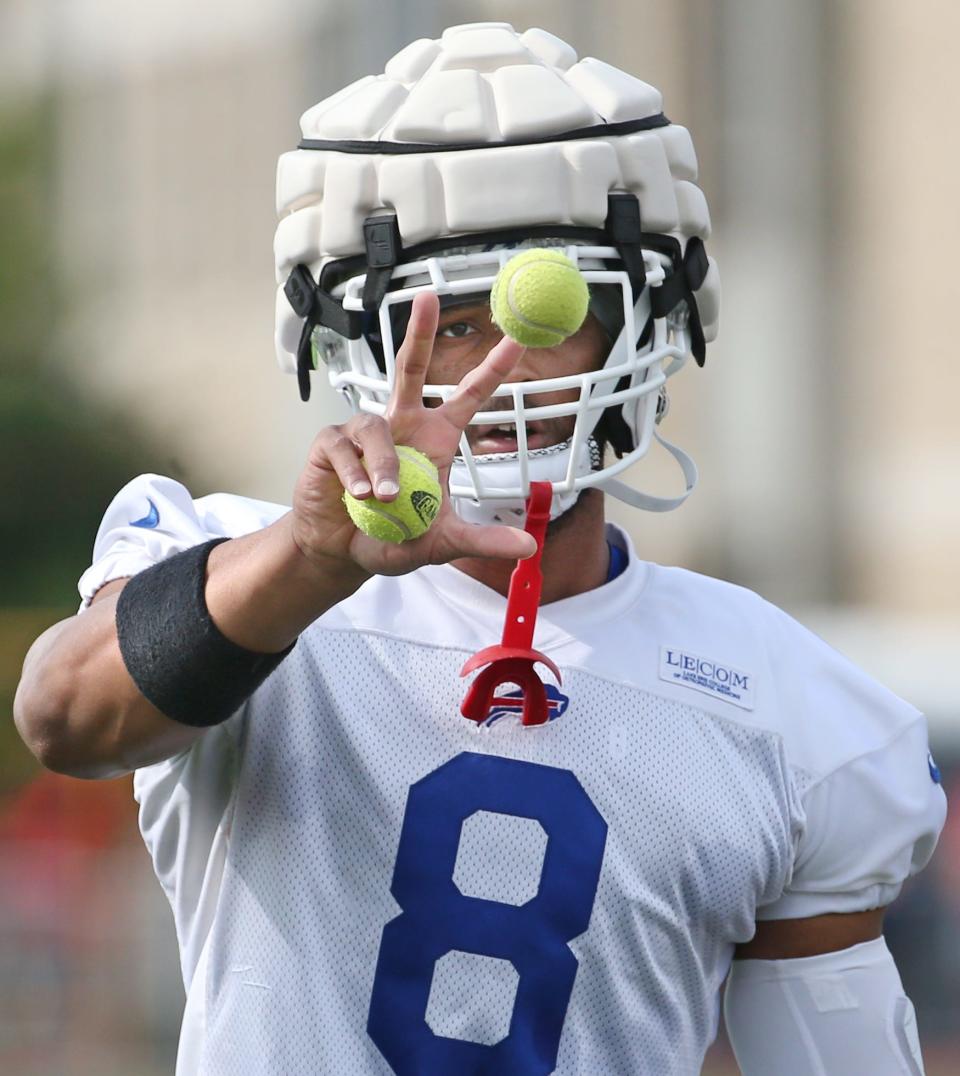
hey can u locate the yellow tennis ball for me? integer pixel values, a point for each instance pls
(539, 298)
(415, 508)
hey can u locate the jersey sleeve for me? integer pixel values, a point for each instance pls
(150, 519)
(153, 518)
(871, 796)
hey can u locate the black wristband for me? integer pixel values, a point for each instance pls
(176, 655)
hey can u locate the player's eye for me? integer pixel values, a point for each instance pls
(456, 330)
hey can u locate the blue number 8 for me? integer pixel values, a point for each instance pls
(438, 918)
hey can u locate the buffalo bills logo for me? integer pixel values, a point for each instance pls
(511, 705)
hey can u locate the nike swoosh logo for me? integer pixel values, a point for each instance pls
(150, 520)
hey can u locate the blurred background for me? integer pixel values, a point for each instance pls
(137, 152)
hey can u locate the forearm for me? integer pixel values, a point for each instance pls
(262, 592)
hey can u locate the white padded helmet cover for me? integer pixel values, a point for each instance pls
(481, 84)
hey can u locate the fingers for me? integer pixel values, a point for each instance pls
(478, 385)
(413, 362)
(363, 456)
(413, 358)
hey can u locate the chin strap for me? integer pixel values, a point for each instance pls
(648, 501)
(509, 511)
(513, 660)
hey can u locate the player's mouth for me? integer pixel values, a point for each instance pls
(486, 440)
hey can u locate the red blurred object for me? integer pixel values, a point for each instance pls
(53, 831)
(512, 660)
(90, 814)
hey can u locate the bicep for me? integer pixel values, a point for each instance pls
(787, 939)
(112, 588)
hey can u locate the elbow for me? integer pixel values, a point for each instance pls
(42, 730)
(46, 731)
(35, 722)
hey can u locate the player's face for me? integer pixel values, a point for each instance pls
(465, 335)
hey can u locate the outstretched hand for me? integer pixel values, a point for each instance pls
(360, 456)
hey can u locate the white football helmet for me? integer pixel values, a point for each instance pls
(432, 175)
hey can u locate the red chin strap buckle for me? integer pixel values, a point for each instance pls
(512, 661)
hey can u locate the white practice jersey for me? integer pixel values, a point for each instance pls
(365, 882)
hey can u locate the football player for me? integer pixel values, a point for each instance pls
(362, 879)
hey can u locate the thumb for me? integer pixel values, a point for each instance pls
(495, 541)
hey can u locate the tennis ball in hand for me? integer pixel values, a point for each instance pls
(415, 508)
(539, 298)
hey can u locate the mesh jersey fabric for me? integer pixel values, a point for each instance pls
(335, 850)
